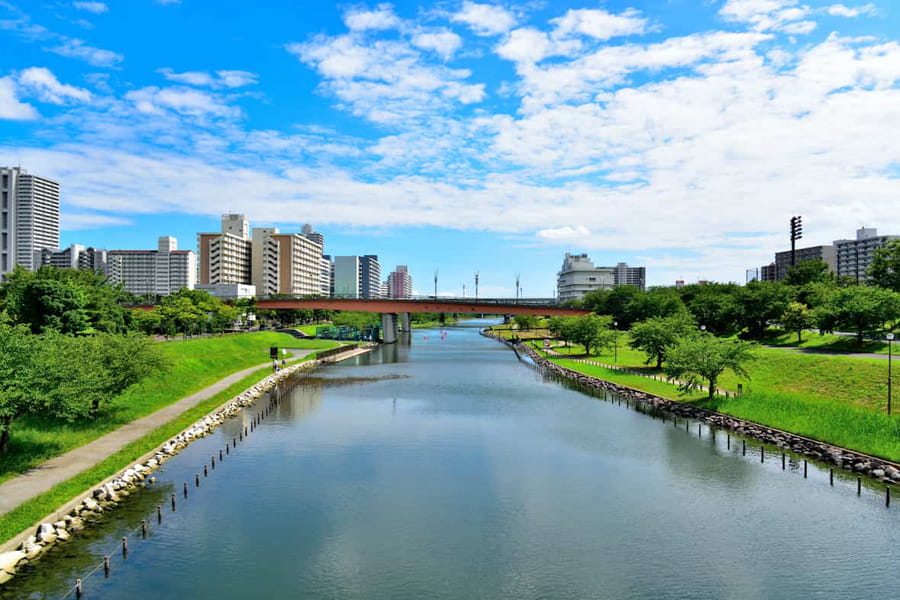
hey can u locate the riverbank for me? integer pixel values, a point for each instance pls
(60, 524)
(845, 459)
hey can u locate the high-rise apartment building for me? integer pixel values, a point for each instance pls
(346, 276)
(578, 276)
(855, 256)
(299, 265)
(369, 276)
(326, 276)
(226, 257)
(399, 283)
(309, 233)
(824, 253)
(29, 218)
(162, 271)
(75, 256)
(265, 261)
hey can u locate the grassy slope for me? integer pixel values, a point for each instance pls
(835, 399)
(193, 365)
(28, 513)
(825, 342)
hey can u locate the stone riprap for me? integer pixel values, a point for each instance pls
(848, 460)
(108, 495)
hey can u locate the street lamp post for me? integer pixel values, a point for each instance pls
(615, 342)
(890, 339)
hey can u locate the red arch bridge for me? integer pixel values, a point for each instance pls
(396, 311)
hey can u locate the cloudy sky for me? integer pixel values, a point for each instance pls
(464, 135)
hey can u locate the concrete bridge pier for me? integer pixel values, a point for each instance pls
(404, 322)
(389, 328)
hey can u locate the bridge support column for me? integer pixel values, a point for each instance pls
(389, 328)
(404, 322)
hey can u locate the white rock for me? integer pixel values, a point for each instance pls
(9, 560)
(62, 535)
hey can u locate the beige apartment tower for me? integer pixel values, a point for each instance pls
(29, 218)
(226, 257)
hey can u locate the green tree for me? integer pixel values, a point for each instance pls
(860, 309)
(796, 318)
(655, 302)
(592, 331)
(759, 303)
(809, 271)
(885, 268)
(655, 336)
(713, 305)
(562, 328)
(526, 321)
(703, 358)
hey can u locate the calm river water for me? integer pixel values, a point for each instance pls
(449, 469)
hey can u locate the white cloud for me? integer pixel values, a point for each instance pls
(75, 48)
(599, 24)
(385, 80)
(485, 19)
(840, 10)
(786, 16)
(70, 221)
(217, 80)
(564, 235)
(42, 83)
(11, 107)
(98, 8)
(382, 17)
(184, 101)
(444, 43)
(529, 45)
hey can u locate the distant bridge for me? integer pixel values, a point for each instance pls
(543, 307)
(391, 308)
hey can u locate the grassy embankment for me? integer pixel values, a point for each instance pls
(193, 365)
(225, 357)
(838, 400)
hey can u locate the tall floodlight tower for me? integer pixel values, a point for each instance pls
(796, 234)
(517, 288)
(476, 286)
(435, 282)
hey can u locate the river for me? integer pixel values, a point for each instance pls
(449, 469)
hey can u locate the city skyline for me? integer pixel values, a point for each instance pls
(465, 136)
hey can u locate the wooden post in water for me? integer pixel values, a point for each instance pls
(79, 593)
(196, 479)
(185, 489)
(743, 447)
(213, 462)
(858, 486)
(699, 430)
(782, 461)
(124, 547)
(205, 474)
(220, 455)
(831, 476)
(158, 514)
(762, 454)
(227, 451)
(805, 464)
(729, 442)
(144, 529)
(106, 566)
(887, 496)
(173, 502)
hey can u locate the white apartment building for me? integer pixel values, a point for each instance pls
(855, 256)
(578, 276)
(346, 276)
(265, 261)
(326, 276)
(369, 276)
(75, 256)
(162, 271)
(29, 218)
(226, 257)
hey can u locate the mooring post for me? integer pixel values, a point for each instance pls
(173, 502)
(197, 479)
(805, 464)
(158, 514)
(762, 454)
(106, 566)
(887, 496)
(220, 454)
(144, 529)
(185, 489)
(699, 430)
(831, 476)
(743, 447)
(124, 547)
(78, 591)
(858, 486)
(729, 441)
(213, 463)
(205, 474)
(783, 458)
(227, 450)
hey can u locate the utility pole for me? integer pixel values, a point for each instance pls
(464, 290)
(435, 283)
(476, 286)
(517, 288)
(796, 234)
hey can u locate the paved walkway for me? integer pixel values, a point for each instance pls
(62, 468)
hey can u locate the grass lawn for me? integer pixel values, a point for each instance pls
(828, 342)
(28, 513)
(838, 400)
(193, 365)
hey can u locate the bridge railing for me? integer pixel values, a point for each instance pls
(420, 299)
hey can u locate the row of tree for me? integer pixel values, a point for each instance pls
(810, 297)
(65, 376)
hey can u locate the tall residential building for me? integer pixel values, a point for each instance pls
(346, 276)
(369, 276)
(855, 256)
(768, 272)
(226, 257)
(162, 271)
(326, 276)
(578, 276)
(299, 265)
(265, 261)
(75, 256)
(29, 218)
(309, 233)
(824, 253)
(399, 283)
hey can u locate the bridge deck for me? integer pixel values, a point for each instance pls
(432, 305)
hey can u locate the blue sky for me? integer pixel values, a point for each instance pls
(464, 135)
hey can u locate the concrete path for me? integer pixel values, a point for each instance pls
(62, 468)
